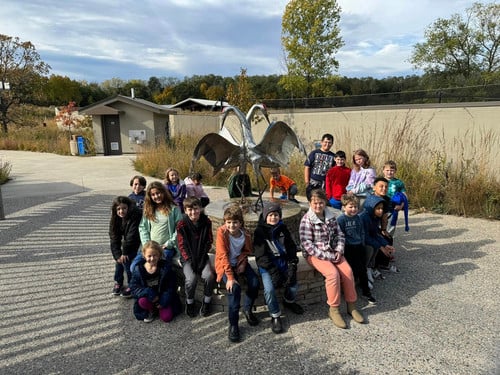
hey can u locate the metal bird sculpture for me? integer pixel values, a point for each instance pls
(222, 150)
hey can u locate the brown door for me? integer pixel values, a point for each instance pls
(112, 141)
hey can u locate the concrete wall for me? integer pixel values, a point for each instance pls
(453, 128)
(197, 124)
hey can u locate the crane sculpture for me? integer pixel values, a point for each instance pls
(223, 151)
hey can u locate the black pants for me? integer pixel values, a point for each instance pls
(356, 257)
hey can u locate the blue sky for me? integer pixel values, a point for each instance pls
(96, 40)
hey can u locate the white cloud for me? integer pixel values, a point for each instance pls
(96, 39)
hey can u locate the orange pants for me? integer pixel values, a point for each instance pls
(336, 275)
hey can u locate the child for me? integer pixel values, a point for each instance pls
(175, 186)
(194, 188)
(396, 191)
(154, 286)
(160, 218)
(362, 175)
(124, 240)
(232, 248)
(318, 162)
(354, 252)
(194, 236)
(380, 246)
(276, 257)
(337, 179)
(323, 247)
(284, 184)
(138, 184)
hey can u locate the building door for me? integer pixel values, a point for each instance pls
(112, 139)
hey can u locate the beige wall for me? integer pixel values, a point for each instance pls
(460, 128)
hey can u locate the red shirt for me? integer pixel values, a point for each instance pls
(336, 181)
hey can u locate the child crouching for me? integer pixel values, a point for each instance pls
(154, 286)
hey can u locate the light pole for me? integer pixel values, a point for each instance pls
(4, 86)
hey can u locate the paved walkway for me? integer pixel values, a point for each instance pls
(438, 316)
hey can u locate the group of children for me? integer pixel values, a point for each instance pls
(176, 238)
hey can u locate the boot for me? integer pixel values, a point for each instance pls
(334, 315)
(356, 315)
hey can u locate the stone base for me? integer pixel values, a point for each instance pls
(311, 288)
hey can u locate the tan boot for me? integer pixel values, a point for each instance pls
(356, 315)
(337, 319)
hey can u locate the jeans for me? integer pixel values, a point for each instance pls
(191, 279)
(270, 293)
(234, 298)
(124, 267)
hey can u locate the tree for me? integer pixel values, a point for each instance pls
(22, 68)
(310, 37)
(240, 94)
(462, 48)
(60, 90)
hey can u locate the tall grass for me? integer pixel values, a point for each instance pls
(41, 138)
(5, 168)
(459, 183)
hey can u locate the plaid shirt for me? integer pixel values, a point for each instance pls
(321, 239)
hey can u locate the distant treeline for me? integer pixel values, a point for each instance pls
(334, 91)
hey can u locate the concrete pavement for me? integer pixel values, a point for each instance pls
(438, 316)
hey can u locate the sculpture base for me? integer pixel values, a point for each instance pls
(291, 214)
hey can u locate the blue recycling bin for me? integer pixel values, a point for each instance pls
(81, 145)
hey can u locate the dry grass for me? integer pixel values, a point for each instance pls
(462, 183)
(5, 168)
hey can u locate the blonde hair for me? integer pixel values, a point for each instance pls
(153, 245)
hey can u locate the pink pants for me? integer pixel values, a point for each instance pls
(336, 275)
(166, 313)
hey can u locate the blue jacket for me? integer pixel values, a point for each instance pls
(371, 224)
(167, 289)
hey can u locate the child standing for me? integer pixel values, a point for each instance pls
(276, 257)
(194, 188)
(194, 236)
(154, 286)
(285, 185)
(362, 175)
(317, 164)
(354, 252)
(232, 248)
(124, 240)
(160, 218)
(337, 179)
(396, 191)
(175, 186)
(323, 243)
(138, 195)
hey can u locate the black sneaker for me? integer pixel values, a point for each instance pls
(116, 290)
(191, 310)
(251, 318)
(234, 334)
(277, 325)
(150, 317)
(205, 309)
(371, 300)
(294, 306)
(126, 293)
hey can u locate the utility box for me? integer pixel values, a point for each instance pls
(81, 145)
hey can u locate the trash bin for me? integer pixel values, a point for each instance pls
(81, 145)
(73, 146)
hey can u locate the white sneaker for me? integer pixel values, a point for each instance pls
(391, 230)
(149, 318)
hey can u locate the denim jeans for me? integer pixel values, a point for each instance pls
(270, 293)
(124, 267)
(234, 298)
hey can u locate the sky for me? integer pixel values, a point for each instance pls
(96, 40)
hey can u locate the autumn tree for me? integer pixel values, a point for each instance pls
(310, 37)
(22, 69)
(465, 47)
(240, 94)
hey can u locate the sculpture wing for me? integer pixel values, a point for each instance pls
(217, 151)
(279, 142)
